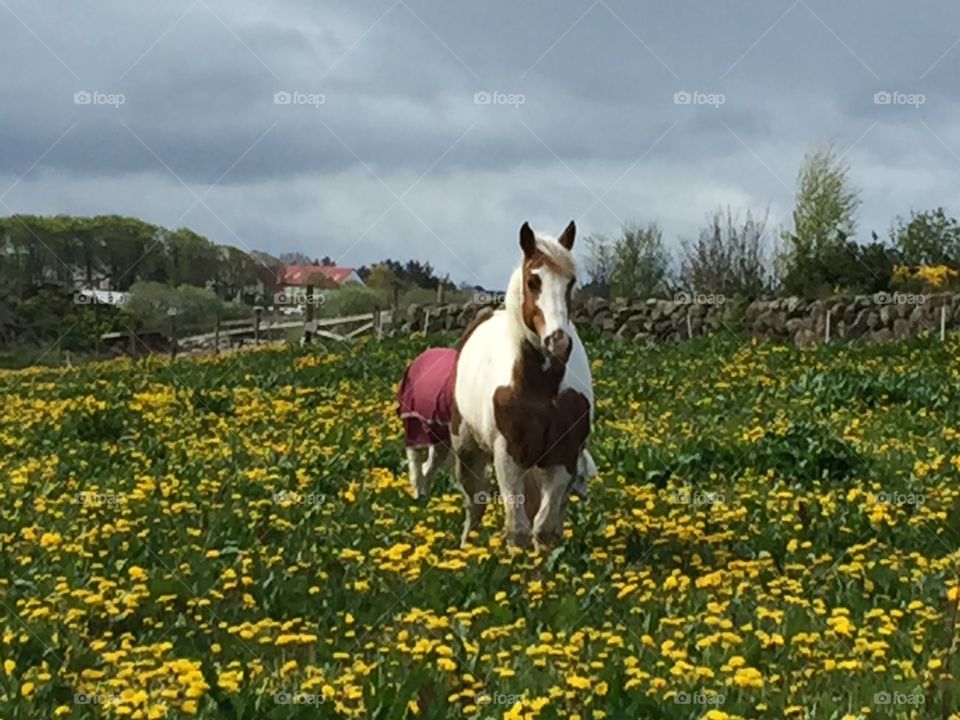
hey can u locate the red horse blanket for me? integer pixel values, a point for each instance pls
(425, 397)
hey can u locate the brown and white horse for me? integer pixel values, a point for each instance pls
(523, 397)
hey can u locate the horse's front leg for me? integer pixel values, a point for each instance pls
(554, 490)
(510, 480)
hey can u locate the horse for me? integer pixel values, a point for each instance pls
(424, 401)
(523, 397)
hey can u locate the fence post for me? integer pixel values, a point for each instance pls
(216, 334)
(943, 323)
(256, 326)
(307, 334)
(172, 312)
(133, 343)
(689, 325)
(827, 329)
(96, 332)
(426, 320)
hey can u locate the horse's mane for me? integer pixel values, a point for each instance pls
(557, 255)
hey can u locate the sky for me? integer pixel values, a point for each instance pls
(433, 130)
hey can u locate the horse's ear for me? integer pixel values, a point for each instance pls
(568, 236)
(528, 241)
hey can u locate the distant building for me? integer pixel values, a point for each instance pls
(295, 279)
(299, 276)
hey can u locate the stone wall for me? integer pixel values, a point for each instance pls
(881, 318)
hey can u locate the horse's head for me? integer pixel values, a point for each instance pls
(546, 279)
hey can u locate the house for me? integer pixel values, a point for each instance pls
(299, 276)
(294, 279)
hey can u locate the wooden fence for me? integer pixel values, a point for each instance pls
(257, 331)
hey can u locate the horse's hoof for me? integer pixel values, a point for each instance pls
(518, 539)
(546, 540)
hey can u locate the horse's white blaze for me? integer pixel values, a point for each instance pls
(552, 302)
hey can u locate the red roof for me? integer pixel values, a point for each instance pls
(300, 274)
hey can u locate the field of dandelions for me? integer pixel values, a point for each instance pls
(773, 534)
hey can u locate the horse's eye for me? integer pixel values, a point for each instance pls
(534, 283)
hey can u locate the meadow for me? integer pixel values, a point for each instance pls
(773, 534)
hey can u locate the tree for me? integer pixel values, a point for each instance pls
(193, 259)
(296, 258)
(727, 258)
(928, 238)
(641, 264)
(823, 219)
(385, 278)
(599, 265)
(236, 274)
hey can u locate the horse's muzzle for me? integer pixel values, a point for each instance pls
(558, 344)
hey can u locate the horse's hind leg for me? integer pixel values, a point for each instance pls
(436, 456)
(548, 523)
(418, 483)
(470, 467)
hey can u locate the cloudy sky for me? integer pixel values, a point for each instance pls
(430, 129)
